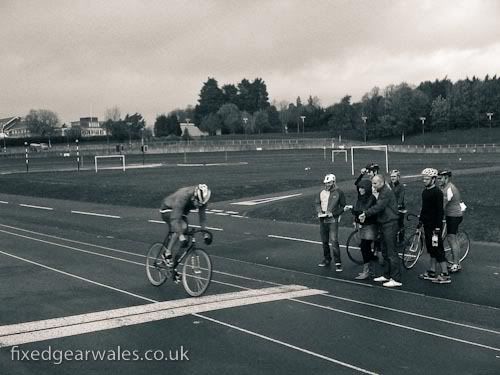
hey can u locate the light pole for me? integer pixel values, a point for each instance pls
(245, 120)
(423, 122)
(489, 114)
(364, 118)
(303, 118)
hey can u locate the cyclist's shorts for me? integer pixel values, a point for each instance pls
(452, 223)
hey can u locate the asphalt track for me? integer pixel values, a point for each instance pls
(63, 259)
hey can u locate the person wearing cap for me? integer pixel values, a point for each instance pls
(453, 213)
(386, 213)
(431, 217)
(367, 230)
(330, 204)
(399, 190)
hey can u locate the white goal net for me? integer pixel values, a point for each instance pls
(109, 162)
(369, 154)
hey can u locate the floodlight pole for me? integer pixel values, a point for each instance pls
(490, 115)
(423, 122)
(364, 118)
(77, 155)
(303, 124)
(245, 120)
(26, 155)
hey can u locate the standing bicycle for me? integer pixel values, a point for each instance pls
(195, 265)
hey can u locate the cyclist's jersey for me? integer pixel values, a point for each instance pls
(431, 214)
(399, 190)
(451, 199)
(181, 203)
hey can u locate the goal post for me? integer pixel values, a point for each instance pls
(375, 148)
(339, 152)
(97, 157)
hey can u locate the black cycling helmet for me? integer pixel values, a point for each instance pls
(374, 167)
(444, 172)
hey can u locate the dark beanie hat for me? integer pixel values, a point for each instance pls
(365, 184)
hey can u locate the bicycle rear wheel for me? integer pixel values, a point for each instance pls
(196, 272)
(353, 247)
(463, 245)
(412, 250)
(156, 269)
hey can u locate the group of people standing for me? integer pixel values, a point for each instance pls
(379, 212)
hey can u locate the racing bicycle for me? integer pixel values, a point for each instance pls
(194, 263)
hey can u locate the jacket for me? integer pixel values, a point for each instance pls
(336, 203)
(386, 208)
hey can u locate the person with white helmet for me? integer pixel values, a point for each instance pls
(330, 204)
(431, 217)
(174, 211)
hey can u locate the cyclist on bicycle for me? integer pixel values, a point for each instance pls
(453, 214)
(174, 211)
(431, 217)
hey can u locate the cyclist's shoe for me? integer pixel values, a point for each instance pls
(381, 279)
(338, 267)
(455, 268)
(428, 275)
(442, 279)
(167, 260)
(177, 277)
(325, 263)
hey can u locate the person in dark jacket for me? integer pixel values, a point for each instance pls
(330, 203)
(399, 190)
(368, 230)
(386, 212)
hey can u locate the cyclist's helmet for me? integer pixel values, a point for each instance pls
(431, 172)
(444, 172)
(374, 167)
(202, 193)
(329, 178)
(395, 172)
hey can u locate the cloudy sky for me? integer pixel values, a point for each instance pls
(75, 56)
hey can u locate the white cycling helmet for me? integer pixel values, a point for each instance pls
(202, 193)
(431, 172)
(329, 178)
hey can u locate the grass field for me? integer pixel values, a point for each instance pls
(266, 172)
(464, 136)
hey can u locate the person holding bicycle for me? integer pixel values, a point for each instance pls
(386, 212)
(368, 230)
(431, 217)
(453, 214)
(174, 211)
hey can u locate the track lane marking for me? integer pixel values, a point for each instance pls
(191, 225)
(95, 214)
(37, 207)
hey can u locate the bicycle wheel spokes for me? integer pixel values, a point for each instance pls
(196, 272)
(156, 269)
(411, 251)
(353, 247)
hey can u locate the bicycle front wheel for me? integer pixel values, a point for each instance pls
(196, 272)
(412, 250)
(463, 247)
(156, 269)
(353, 247)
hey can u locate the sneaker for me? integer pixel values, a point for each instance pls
(363, 276)
(442, 279)
(338, 267)
(177, 277)
(381, 279)
(455, 268)
(325, 263)
(392, 283)
(428, 275)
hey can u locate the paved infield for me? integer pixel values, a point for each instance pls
(74, 292)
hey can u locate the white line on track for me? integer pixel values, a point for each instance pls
(4, 202)
(37, 207)
(282, 343)
(221, 214)
(239, 216)
(296, 239)
(95, 214)
(232, 212)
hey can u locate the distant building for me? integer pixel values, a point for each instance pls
(90, 126)
(193, 130)
(14, 127)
